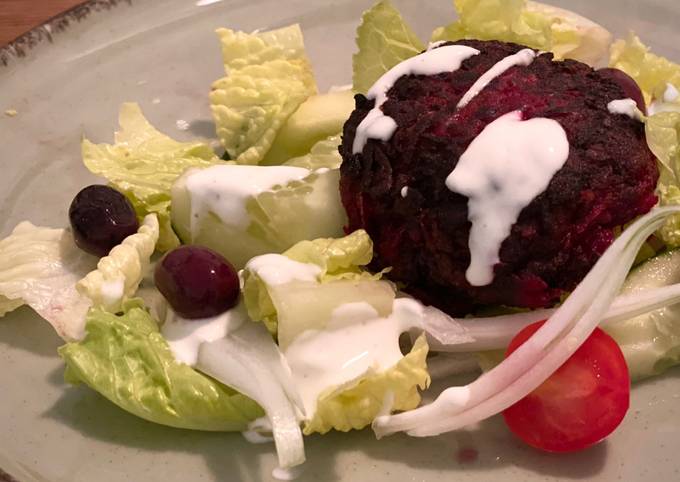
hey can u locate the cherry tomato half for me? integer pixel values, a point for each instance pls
(580, 404)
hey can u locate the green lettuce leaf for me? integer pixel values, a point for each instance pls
(384, 40)
(268, 77)
(537, 25)
(654, 74)
(651, 72)
(143, 163)
(650, 342)
(338, 261)
(40, 267)
(357, 405)
(341, 258)
(324, 154)
(127, 360)
(118, 275)
(663, 137)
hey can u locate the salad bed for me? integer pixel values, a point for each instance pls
(133, 168)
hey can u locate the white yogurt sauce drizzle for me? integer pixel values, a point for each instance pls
(434, 45)
(355, 342)
(224, 190)
(377, 125)
(503, 169)
(625, 107)
(524, 57)
(185, 336)
(276, 269)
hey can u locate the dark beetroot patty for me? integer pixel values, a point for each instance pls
(608, 179)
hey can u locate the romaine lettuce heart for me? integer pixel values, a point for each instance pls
(119, 274)
(336, 259)
(663, 137)
(268, 78)
(651, 72)
(384, 40)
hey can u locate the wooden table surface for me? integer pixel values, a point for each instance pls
(20, 16)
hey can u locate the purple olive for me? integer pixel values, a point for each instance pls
(101, 218)
(197, 282)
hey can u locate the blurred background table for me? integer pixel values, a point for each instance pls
(20, 16)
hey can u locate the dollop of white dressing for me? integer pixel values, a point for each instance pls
(224, 190)
(355, 342)
(404, 191)
(625, 107)
(113, 291)
(377, 125)
(503, 169)
(524, 57)
(185, 336)
(277, 269)
(671, 94)
(182, 125)
(667, 103)
(259, 431)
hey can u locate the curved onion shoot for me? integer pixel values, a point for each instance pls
(532, 363)
(459, 335)
(249, 361)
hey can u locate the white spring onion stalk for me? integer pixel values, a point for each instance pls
(249, 361)
(535, 360)
(459, 335)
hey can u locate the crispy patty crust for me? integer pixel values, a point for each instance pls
(608, 179)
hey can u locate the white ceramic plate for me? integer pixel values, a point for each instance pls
(164, 55)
